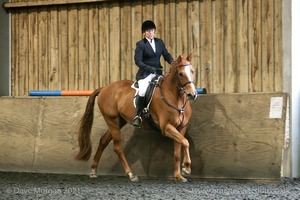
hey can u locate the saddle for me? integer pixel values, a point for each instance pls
(155, 82)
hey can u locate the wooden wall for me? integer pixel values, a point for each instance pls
(71, 45)
(233, 136)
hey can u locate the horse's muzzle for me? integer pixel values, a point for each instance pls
(192, 96)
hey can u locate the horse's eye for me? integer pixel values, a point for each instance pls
(180, 74)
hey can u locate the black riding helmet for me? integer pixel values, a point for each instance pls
(148, 24)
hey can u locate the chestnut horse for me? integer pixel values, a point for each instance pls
(170, 110)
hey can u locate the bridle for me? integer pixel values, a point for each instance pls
(181, 89)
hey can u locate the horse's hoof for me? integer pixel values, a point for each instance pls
(133, 178)
(181, 179)
(185, 172)
(93, 174)
(184, 180)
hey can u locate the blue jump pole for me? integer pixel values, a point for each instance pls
(45, 92)
(201, 90)
(79, 93)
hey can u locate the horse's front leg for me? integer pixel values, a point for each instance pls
(186, 164)
(177, 160)
(179, 140)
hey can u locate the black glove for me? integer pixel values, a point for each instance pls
(150, 69)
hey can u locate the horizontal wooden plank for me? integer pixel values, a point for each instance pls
(22, 4)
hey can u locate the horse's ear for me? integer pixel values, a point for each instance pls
(179, 59)
(189, 58)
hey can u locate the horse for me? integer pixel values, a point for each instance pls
(170, 110)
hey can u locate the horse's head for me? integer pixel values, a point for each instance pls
(184, 75)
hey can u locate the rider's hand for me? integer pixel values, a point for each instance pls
(150, 69)
(173, 63)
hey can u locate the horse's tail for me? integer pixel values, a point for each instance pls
(84, 133)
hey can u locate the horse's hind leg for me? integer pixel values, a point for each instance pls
(104, 141)
(120, 152)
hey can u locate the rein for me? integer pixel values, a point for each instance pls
(180, 110)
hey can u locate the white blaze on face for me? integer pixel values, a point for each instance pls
(189, 76)
(188, 72)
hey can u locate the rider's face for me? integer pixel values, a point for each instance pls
(150, 33)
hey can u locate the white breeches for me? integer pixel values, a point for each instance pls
(143, 84)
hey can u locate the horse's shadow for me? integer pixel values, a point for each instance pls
(150, 154)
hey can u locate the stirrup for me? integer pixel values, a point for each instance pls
(137, 121)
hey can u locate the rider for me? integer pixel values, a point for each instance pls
(147, 57)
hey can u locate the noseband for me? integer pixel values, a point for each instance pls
(189, 82)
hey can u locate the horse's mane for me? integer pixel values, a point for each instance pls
(173, 66)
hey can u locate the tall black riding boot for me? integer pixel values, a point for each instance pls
(139, 110)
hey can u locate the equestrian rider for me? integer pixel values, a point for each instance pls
(147, 57)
